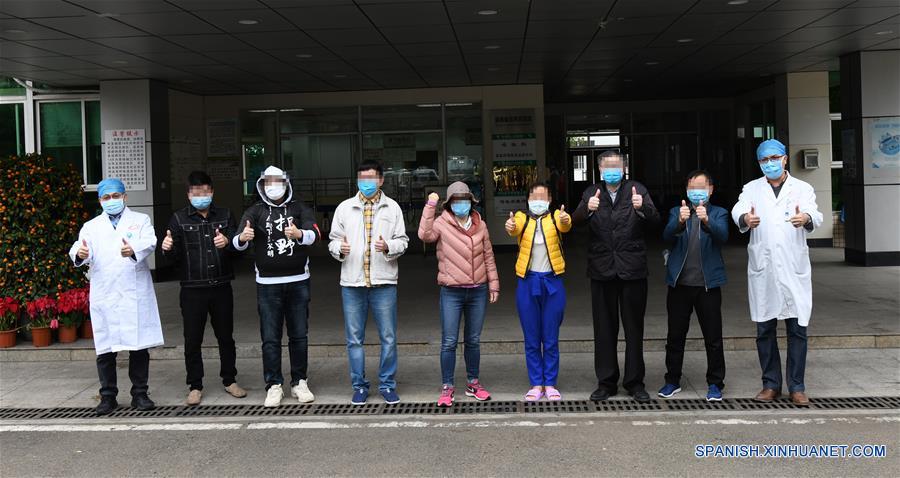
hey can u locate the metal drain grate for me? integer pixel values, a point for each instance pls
(460, 408)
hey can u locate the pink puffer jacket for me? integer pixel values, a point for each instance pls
(464, 257)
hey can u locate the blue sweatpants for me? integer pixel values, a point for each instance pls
(541, 301)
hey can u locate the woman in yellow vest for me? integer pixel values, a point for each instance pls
(540, 295)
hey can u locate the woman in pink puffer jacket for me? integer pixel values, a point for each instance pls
(468, 278)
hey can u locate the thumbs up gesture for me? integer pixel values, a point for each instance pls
(127, 251)
(799, 219)
(594, 201)
(220, 241)
(83, 251)
(564, 217)
(345, 246)
(168, 241)
(636, 199)
(510, 223)
(291, 231)
(751, 218)
(684, 213)
(701, 213)
(434, 197)
(247, 234)
(380, 245)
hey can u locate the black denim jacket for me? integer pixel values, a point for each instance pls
(200, 262)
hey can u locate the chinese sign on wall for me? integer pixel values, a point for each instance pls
(125, 157)
(514, 152)
(221, 138)
(884, 144)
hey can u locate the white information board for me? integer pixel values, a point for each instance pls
(124, 157)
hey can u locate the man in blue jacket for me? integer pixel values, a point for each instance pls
(695, 273)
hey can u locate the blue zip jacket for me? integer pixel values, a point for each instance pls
(712, 236)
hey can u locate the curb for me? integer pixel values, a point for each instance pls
(83, 350)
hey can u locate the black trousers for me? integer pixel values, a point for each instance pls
(218, 303)
(608, 298)
(680, 302)
(138, 372)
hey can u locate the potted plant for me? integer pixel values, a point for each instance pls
(9, 316)
(70, 308)
(42, 316)
(86, 331)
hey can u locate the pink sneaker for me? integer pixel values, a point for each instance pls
(446, 398)
(474, 389)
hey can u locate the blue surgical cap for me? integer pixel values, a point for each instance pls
(770, 147)
(110, 185)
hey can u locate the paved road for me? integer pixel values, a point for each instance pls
(537, 445)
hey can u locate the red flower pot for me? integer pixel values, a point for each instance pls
(7, 339)
(87, 330)
(40, 336)
(68, 334)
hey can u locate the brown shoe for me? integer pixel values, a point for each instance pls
(194, 397)
(236, 391)
(767, 395)
(800, 399)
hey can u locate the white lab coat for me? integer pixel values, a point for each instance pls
(124, 314)
(779, 279)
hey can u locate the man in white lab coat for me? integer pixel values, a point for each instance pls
(124, 315)
(779, 210)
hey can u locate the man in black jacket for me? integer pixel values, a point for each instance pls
(197, 241)
(618, 212)
(281, 228)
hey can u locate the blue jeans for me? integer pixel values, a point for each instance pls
(770, 360)
(454, 302)
(541, 302)
(382, 301)
(281, 304)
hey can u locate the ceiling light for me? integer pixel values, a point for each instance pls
(487, 12)
(884, 32)
(14, 31)
(290, 110)
(429, 105)
(685, 40)
(738, 2)
(303, 55)
(458, 104)
(651, 63)
(248, 22)
(492, 47)
(262, 111)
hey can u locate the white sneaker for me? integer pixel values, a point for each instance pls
(274, 396)
(301, 392)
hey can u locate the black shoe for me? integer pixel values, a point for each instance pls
(599, 395)
(142, 402)
(641, 396)
(107, 405)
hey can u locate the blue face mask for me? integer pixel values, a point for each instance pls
(368, 187)
(772, 169)
(113, 206)
(461, 208)
(201, 202)
(538, 207)
(612, 176)
(697, 195)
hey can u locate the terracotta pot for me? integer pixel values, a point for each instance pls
(87, 331)
(68, 334)
(7, 339)
(40, 336)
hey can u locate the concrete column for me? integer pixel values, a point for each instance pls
(801, 104)
(870, 109)
(143, 104)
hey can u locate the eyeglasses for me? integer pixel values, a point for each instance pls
(770, 159)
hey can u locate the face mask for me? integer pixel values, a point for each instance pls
(772, 169)
(612, 176)
(274, 191)
(368, 187)
(538, 207)
(461, 208)
(202, 202)
(113, 206)
(697, 195)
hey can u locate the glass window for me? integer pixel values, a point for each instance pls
(402, 118)
(464, 148)
(94, 147)
(61, 132)
(12, 129)
(319, 120)
(258, 137)
(8, 87)
(410, 160)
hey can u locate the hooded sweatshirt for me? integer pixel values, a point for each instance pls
(279, 260)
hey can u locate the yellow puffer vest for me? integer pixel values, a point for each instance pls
(525, 228)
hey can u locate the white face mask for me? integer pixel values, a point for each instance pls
(275, 191)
